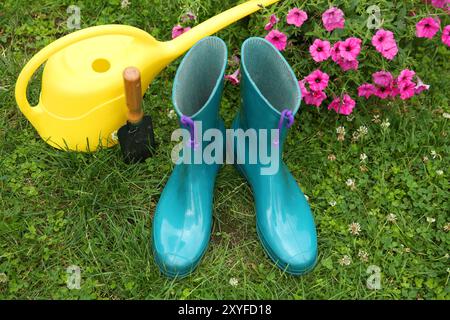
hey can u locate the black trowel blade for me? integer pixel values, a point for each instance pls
(137, 141)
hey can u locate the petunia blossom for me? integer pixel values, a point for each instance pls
(317, 80)
(427, 27)
(440, 3)
(303, 89)
(273, 20)
(420, 86)
(278, 39)
(446, 35)
(315, 98)
(347, 65)
(179, 30)
(233, 78)
(350, 48)
(383, 78)
(405, 75)
(296, 17)
(333, 18)
(406, 89)
(366, 90)
(343, 106)
(384, 42)
(383, 92)
(335, 51)
(320, 50)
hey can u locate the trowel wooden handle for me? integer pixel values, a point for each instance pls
(133, 94)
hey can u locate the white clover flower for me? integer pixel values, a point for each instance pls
(447, 227)
(362, 130)
(434, 154)
(391, 217)
(332, 203)
(331, 157)
(363, 157)
(376, 118)
(431, 220)
(340, 130)
(172, 114)
(345, 261)
(446, 115)
(354, 228)
(439, 172)
(363, 255)
(3, 277)
(350, 183)
(385, 124)
(124, 4)
(234, 282)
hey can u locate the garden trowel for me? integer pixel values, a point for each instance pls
(136, 137)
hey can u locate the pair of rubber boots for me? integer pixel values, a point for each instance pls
(270, 98)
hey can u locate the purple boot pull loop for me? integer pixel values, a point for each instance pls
(188, 122)
(285, 114)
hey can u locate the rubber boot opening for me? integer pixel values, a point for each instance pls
(271, 74)
(198, 76)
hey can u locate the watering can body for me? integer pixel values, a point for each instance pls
(82, 101)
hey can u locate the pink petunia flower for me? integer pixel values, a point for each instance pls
(384, 42)
(395, 91)
(233, 78)
(440, 3)
(366, 90)
(179, 30)
(383, 78)
(335, 51)
(273, 20)
(350, 48)
(348, 65)
(446, 35)
(189, 16)
(302, 86)
(427, 27)
(405, 75)
(278, 39)
(420, 87)
(333, 18)
(391, 52)
(317, 80)
(296, 17)
(406, 89)
(383, 92)
(344, 106)
(381, 38)
(320, 50)
(315, 98)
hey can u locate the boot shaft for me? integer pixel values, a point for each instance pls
(269, 89)
(198, 83)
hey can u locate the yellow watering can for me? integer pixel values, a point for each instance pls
(82, 99)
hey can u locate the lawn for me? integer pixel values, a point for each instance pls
(59, 209)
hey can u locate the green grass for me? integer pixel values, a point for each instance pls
(63, 208)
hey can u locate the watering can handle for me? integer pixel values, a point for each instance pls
(44, 54)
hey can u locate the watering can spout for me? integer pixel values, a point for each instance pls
(184, 42)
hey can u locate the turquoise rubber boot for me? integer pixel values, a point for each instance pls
(270, 99)
(183, 218)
